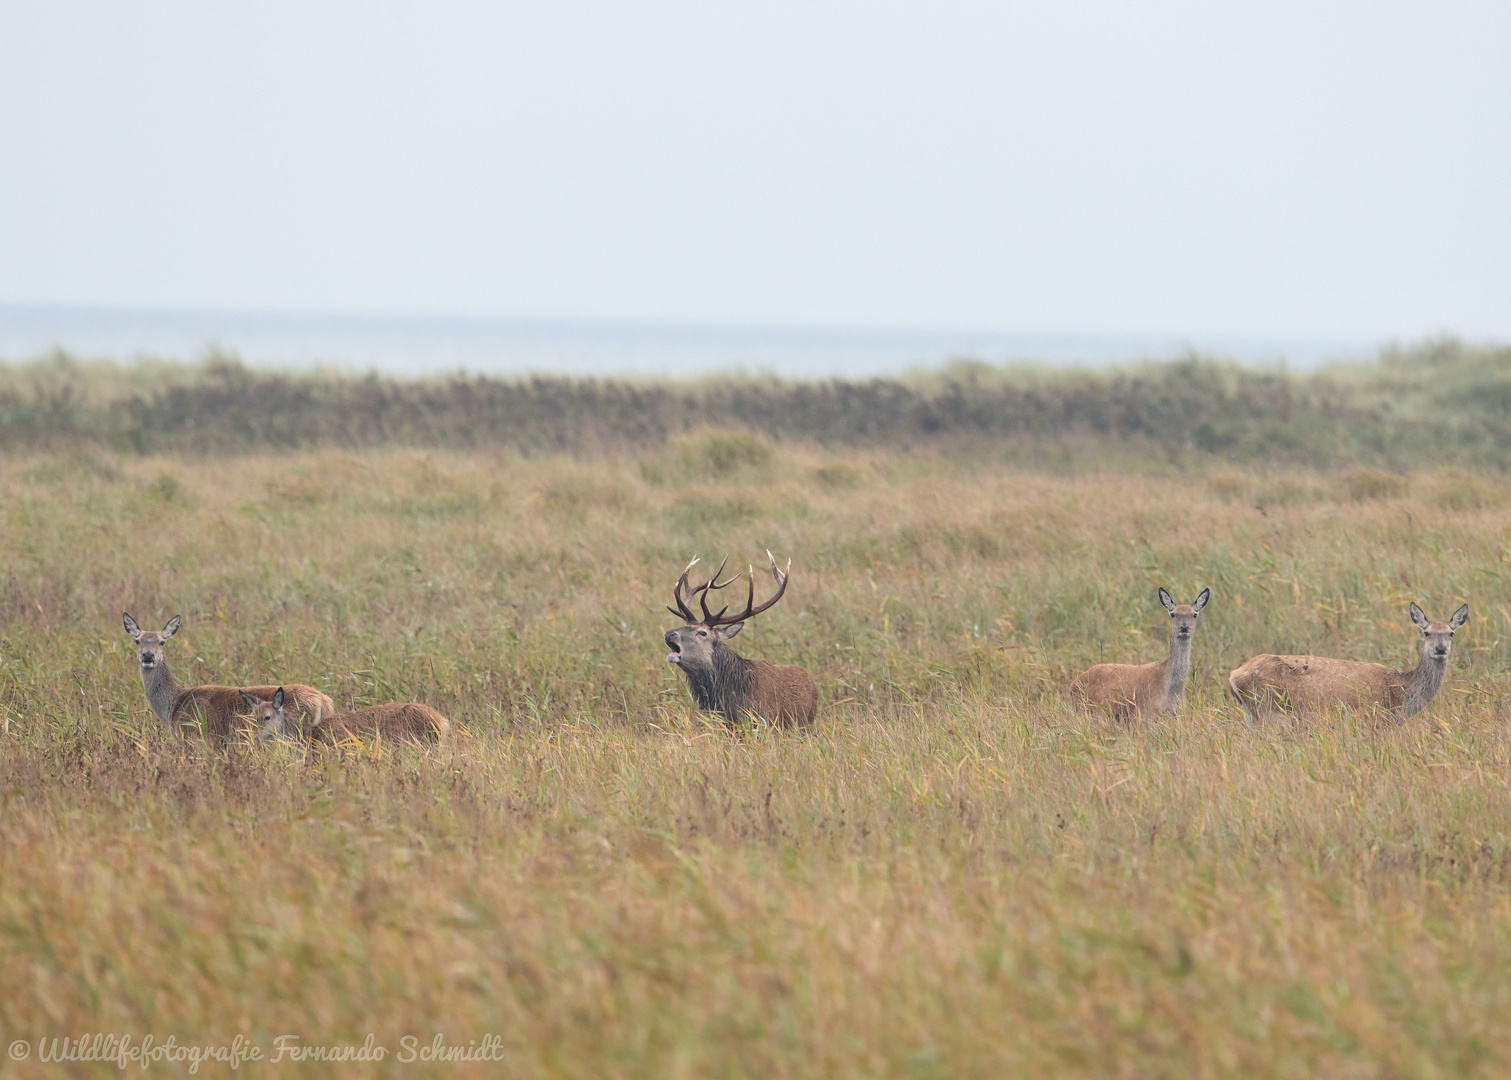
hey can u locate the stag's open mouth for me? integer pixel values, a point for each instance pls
(675, 656)
(148, 662)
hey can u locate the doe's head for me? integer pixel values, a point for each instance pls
(1183, 616)
(273, 722)
(1437, 637)
(150, 643)
(692, 645)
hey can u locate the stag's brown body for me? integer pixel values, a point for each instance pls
(1268, 685)
(406, 722)
(723, 681)
(739, 689)
(1129, 691)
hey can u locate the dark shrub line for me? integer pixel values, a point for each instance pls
(1191, 407)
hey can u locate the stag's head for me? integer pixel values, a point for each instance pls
(692, 646)
(272, 721)
(1437, 637)
(1183, 616)
(150, 643)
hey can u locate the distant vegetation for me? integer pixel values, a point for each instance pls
(1445, 402)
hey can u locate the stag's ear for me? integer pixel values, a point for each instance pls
(252, 702)
(278, 699)
(1201, 601)
(1166, 600)
(172, 627)
(727, 632)
(1418, 616)
(131, 627)
(1460, 617)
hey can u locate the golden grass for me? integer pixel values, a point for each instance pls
(953, 875)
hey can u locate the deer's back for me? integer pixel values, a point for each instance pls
(1123, 688)
(784, 694)
(394, 722)
(225, 715)
(1314, 684)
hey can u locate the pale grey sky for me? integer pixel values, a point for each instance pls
(1281, 168)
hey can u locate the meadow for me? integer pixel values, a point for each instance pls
(953, 874)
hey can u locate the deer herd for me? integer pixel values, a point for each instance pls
(741, 690)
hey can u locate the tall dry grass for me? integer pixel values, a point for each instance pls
(953, 875)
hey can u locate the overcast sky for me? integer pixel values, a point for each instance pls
(1278, 168)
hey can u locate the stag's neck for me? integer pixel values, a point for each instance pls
(163, 690)
(1177, 671)
(1422, 683)
(725, 687)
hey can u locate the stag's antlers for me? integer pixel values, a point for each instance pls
(683, 598)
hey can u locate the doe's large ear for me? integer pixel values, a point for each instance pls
(1166, 600)
(131, 627)
(278, 699)
(733, 629)
(172, 627)
(1418, 616)
(252, 702)
(1201, 601)
(1460, 617)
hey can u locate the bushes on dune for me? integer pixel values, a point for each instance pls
(1444, 402)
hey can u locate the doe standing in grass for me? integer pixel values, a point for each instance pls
(216, 711)
(1138, 690)
(1267, 685)
(722, 680)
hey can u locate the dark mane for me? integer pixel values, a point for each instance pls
(726, 687)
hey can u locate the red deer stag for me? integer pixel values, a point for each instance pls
(214, 711)
(1267, 685)
(395, 722)
(723, 681)
(1138, 690)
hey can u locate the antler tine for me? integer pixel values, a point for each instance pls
(722, 563)
(750, 609)
(682, 610)
(705, 589)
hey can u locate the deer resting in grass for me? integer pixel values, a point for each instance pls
(722, 680)
(395, 722)
(1267, 685)
(1131, 691)
(216, 711)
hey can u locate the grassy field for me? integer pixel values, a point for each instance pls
(953, 875)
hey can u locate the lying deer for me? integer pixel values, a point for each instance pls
(723, 681)
(1139, 690)
(1267, 684)
(404, 722)
(215, 711)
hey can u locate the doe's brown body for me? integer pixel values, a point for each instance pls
(407, 722)
(1269, 684)
(1129, 691)
(221, 712)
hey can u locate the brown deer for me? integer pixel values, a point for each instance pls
(1267, 685)
(214, 711)
(395, 722)
(1137, 690)
(723, 681)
